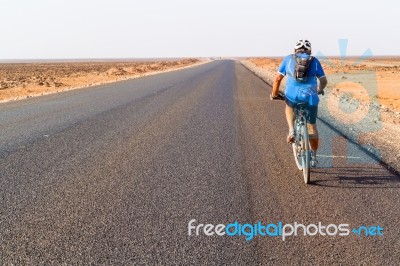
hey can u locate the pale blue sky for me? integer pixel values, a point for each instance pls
(37, 29)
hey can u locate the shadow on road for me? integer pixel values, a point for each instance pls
(355, 177)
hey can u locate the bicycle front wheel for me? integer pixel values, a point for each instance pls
(296, 146)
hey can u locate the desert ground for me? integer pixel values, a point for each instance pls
(366, 91)
(385, 72)
(24, 80)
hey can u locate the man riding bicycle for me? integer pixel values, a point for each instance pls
(302, 72)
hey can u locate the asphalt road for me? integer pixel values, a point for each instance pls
(113, 174)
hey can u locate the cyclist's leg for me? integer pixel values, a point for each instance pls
(289, 111)
(289, 117)
(312, 127)
(313, 135)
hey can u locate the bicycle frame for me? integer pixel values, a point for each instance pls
(301, 146)
(300, 115)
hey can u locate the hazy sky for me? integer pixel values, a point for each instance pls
(34, 29)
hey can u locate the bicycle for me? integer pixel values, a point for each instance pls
(301, 145)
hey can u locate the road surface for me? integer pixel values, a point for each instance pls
(113, 174)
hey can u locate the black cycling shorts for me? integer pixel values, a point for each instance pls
(312, 111)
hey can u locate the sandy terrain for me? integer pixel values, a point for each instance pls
(364, 97)
(386, 74)
(19, 81)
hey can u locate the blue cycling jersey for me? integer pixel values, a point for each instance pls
(294, 87)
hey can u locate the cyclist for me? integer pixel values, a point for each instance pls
(302, 72)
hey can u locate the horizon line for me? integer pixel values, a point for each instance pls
(163, 58)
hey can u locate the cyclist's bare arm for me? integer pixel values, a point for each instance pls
(322, 83)
(277, 84)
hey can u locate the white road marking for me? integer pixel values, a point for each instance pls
(337, 156)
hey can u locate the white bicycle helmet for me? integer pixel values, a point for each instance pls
(303, 44)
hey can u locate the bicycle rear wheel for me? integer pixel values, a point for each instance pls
(305, 153)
